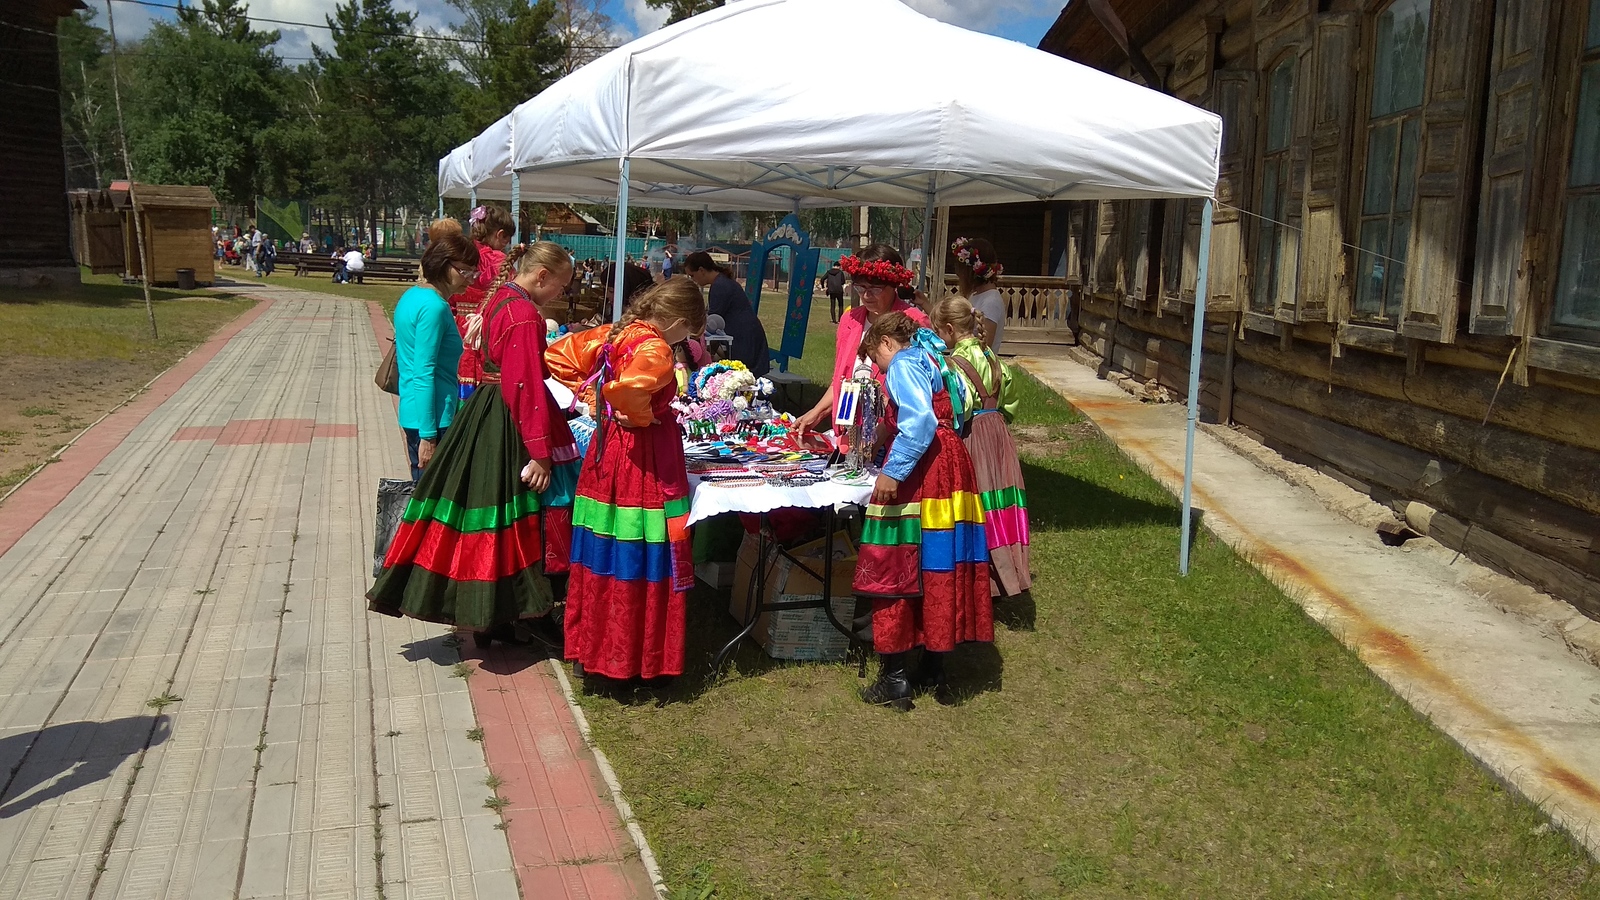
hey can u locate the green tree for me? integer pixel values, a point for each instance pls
(525, 56)
(386, 111)
(199, 93)
(683, 9)
(510, 50)
(88, 116)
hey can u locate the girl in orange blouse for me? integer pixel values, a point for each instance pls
(632, 565)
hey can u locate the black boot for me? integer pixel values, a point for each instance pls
(892, 688)
(930, 676)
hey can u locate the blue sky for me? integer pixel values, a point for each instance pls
(1024, 21)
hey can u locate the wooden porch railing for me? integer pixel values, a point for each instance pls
(1037, 308)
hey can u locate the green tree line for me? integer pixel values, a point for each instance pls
(360, 126)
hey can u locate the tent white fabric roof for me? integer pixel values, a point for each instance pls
(777, 103)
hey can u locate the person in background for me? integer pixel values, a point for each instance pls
(923, 559)
(666, 261)
(491, 229)
(266, 258)
(632, 564)
(833, 284)
(727, 299)
(306, 246)
(876, 275)
(427, 347)
(977, 276)
(355, 263)
(501, 484)
(248, 252)
(994, 454)
(634, 279)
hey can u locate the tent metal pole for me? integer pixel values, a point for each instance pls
(516, 207)
(928, 213)
(1194, 384)
(472, 197)
(622, 240)
(441, 207)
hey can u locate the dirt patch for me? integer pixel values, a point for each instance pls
(1053, 440)
(44, 401)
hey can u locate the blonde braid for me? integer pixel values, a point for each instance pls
(513, 254)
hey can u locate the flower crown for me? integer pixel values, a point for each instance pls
(968, 255)
(478, 214)
(880, 270)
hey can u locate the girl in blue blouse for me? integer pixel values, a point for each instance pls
(924, 562)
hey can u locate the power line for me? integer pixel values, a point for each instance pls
(424, 36)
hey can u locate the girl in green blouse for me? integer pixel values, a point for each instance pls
(988, 440)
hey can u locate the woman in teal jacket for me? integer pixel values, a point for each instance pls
(427, 346)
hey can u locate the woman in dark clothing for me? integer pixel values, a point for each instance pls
(728, 300)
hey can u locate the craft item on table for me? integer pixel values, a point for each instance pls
(728, 380)
(748, 481)
(795, 479)
(854, 478)
(858, 424)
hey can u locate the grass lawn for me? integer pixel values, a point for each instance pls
(385, 292)
(1129, 734)
(71, 356)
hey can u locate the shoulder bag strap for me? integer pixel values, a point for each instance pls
(971, 371)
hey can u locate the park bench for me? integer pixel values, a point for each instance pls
(379, 269)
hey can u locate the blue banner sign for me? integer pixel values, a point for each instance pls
(802, 279)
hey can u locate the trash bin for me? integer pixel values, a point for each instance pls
(185, 279)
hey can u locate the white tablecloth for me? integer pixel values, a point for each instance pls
(707, 500)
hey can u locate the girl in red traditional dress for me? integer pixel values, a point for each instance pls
(492, 230)
(924, 562)
(632, 564)
(491, 516)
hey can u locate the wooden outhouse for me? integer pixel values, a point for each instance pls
(97, 240)
(177, 229)
(1404, 288)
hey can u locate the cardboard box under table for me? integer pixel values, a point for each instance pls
(795, 577)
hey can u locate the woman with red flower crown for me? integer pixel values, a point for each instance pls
(875, 274)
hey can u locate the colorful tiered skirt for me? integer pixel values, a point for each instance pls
(1005, 503)
(924, 560)
(470, 549)
(632, 562)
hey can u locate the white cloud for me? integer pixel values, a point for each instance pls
(646, 18)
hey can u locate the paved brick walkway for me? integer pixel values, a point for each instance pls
(194, 701)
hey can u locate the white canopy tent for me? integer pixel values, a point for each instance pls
(783, 104)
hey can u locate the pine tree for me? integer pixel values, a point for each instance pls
(386, 110)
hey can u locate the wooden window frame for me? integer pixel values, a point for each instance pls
(1285, 157)
(1363, 126)
(1575, 58)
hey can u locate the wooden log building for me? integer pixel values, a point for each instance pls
(35, 247)
(1405, 266)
